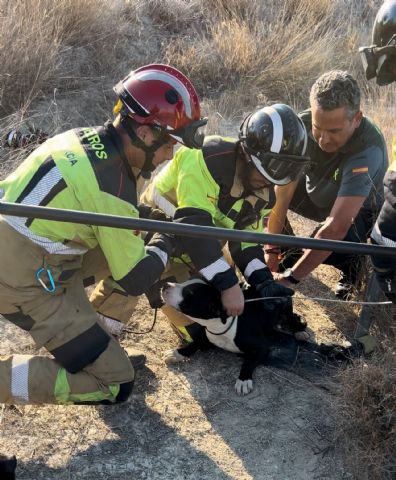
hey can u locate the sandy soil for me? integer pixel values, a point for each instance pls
(186, 422)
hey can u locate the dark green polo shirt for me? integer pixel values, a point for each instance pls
(357, 169)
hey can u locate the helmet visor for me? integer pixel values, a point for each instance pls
(369, 62)
(192, 135)
(278, 168)
(380, 62)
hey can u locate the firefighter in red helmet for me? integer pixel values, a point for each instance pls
(48, 264)
(162, 98)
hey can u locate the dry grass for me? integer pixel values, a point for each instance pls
(368, 405)
(48, 45)
(258, 51)
(239, 54)
(272, 58)
(271, 50)
(367, 397)
(380, 106)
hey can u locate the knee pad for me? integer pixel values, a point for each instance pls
(82, 350)
(176, 318)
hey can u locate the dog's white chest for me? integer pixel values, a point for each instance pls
(224, 340)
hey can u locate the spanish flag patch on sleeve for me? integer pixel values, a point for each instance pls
(360, 170)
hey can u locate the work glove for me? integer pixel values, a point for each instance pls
(270, 288)
(170, 242)
(266, 286)
(153, 294)
(385, 273)
(150, 213)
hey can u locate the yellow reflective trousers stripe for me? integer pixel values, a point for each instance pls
(64, 396)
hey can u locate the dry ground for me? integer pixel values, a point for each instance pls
(185, 422)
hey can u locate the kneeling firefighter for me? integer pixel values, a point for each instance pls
(231, 183)
(47, 264)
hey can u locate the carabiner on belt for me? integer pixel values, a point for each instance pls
(52, 287)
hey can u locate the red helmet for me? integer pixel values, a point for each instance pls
(161, 95)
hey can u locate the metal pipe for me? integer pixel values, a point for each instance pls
(114, 221)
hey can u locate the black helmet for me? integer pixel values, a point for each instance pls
(379, 60)
(275, 138)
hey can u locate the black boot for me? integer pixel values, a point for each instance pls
(7, 467)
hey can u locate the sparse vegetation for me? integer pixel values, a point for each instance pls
(368, 406)
(49, 45)
(239, 54)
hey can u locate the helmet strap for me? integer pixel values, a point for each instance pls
(244, 167)
(149, 151)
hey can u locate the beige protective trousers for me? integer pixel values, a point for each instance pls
(86, 363)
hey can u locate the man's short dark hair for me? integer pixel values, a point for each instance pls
(335, 89)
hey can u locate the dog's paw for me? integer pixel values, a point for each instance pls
(304, 336)
(243, 387)
(173, 356)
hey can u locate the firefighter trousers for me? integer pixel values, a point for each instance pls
(87, 365)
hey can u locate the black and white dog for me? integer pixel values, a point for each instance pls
(252, 334)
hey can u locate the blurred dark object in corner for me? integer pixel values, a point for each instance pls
(7, 467)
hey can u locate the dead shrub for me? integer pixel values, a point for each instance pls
(276, 50)
(368, 417)
(171, 16)
(379, 105)
(367, 404)
(46, 45)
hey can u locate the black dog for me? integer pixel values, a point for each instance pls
(251, 334)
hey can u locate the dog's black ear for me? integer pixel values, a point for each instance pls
(217, 311)
(288, 307)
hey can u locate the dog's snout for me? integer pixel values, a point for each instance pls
(171, 294)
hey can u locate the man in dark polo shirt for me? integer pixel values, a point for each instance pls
(343, 188)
